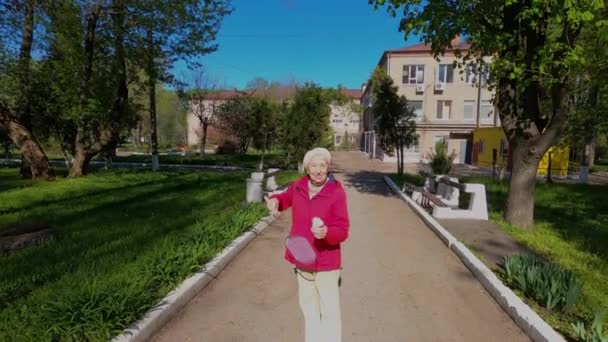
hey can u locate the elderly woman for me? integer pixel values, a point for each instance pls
(320, 220)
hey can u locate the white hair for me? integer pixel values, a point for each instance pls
(318, 152)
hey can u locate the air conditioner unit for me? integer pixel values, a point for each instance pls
(440, 86)
(420, 88)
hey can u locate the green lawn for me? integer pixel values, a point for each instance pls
(125, 239)
(274, 159)
(601, 165)
(571, 230)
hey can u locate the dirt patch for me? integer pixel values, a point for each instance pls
(485, 239)
(19, 236)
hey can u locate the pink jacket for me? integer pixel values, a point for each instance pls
(329, 205)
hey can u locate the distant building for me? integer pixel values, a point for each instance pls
(344, 119)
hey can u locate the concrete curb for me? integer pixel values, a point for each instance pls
(158, 316)
(530, 322)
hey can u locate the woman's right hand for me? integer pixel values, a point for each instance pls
(273, 205)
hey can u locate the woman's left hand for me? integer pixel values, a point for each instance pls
(319, 232)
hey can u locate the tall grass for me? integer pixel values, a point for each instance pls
(124, 240)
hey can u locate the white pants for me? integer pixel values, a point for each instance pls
(319, 298)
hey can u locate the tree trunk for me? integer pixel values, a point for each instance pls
(25, 168)
(7, 151)
(32, 153)
(204, 139)
(550, 166)
(152, 90)
(590, 152)
(80, 164)
(520, 201)
(549, 179)
(31, 150)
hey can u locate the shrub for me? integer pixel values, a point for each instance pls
(544, 282)
(595, 333)
(227, 147)
(441, 161)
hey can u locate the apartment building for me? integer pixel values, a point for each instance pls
(444, 97)
(345, 119)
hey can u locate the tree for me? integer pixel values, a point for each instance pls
(201, 101)
(87, 98)
(175, 29)
(306, 124)
(394, 122)
(441, 161)
(236, 118)
(589, 117)
(536, 47)
(19, 19)
(345, 145)
(172, 123)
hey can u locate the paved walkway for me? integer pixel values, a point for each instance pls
(400, 283)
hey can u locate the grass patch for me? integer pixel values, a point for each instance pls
(416, 180)
(125, 239)
(572, 231)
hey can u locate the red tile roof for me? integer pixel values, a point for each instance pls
(352, 93)
(427, 48)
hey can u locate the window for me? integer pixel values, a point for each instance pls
(481, 146)
(413, 74)
(417, 107)
(444, 108)
(337, 121)
(446, 73)
(338, 139)
(469, 110)
(486, 112)
(471, 73)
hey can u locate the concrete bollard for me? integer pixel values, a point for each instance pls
(255, 193)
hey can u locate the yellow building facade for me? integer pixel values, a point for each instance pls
(492, 140)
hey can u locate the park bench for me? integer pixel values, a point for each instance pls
(441, 196)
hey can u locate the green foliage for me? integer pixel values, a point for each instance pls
(306, 124)
(546, 283)
(441, 161)
(413, 179)
(171, 116)
(247, 120)
(266, 118)
(594, 333)
(345, 145)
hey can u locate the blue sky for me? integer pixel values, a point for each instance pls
(329, 42)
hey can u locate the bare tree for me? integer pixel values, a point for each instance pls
(201, 101)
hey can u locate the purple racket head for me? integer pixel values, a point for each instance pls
(301, 249)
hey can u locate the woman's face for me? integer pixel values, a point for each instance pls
(317, 170)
